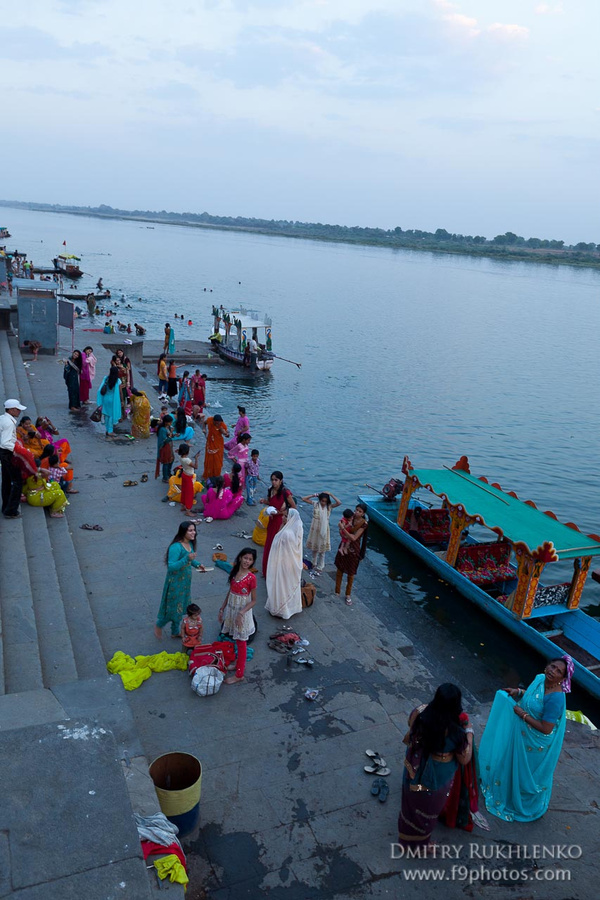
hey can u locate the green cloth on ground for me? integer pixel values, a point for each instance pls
(134, 672)
(577, 716)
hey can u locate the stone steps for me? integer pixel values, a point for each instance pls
(87, 651)
(48, 632)
(54, 639)
(22, 668)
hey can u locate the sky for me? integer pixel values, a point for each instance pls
(478, 116)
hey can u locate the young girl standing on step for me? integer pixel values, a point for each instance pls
(235, 615)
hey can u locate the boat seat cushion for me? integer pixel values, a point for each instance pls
(551, 594)
(431, 526)
(485, 564)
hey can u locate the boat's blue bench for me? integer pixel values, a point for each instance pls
(485, 564)
(430, 526)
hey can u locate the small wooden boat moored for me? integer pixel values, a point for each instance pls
(232, 333)
(67, 265)
(4, 233)
(102, 295)
(501, 576)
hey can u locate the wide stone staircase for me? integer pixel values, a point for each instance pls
(48, 632)
(54, 686)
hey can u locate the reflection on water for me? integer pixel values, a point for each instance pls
(402, 352)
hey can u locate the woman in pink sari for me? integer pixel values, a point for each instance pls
(242, 426)
(220, 502)
(85, 380)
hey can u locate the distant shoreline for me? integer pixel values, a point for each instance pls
(566, 257)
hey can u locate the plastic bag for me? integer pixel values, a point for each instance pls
(207, 681)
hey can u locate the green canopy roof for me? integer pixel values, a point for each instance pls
(508, 516)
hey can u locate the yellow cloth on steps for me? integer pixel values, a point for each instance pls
(170, 867)
(134, 672)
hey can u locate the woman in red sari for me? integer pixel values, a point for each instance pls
(281, 499)
(216, 431)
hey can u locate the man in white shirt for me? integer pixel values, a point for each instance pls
(11, 475)
(253, 354)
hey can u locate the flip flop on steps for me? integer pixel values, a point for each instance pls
(92, 527)
(278, 646)
(129, 483)
(377, 770)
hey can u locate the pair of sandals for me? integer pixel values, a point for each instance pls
(301, 660)
(92, 527)
(378, 764)
(380, 789)
(129, 483)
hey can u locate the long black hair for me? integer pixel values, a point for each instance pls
(236, 482)
(237, 563)
(272, 492)
(178, 539)
(180, 420)
(113, 378)
(440, 720)
(77, 360)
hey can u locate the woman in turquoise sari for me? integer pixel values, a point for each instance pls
(109, 399)
(522, 742)
(180, 559)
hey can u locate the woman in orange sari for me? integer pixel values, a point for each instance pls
(30, 437)
(216, 431)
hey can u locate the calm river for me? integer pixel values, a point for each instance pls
(402, 352)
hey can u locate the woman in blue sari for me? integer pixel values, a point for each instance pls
(109, 398)
(180, 559)
(185, 394)
(521, 744)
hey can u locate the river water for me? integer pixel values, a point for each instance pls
(402, 352)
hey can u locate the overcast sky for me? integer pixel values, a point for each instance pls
(478, 116)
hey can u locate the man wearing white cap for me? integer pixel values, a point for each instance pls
(12, 481)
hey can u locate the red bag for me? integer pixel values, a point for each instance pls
(219, 654)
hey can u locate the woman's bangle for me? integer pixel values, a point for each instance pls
(468, 730)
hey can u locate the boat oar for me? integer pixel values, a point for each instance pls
(287, 360)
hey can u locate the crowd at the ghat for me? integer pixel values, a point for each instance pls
(444, 774)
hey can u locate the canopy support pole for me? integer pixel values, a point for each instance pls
(528, 572)
(410, 486)
(459, 520)
(581, 566)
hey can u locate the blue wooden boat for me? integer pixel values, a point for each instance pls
(501, 576)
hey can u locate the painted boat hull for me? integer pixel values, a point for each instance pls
(575, 623)
(235, 356)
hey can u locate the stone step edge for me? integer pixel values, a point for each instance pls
(54, 638)
(85, 641)
(22, 668)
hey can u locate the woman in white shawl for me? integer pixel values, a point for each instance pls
(284, 569)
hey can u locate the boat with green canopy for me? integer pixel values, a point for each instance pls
(501, 572)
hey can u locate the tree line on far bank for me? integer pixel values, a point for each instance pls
(507, 246)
